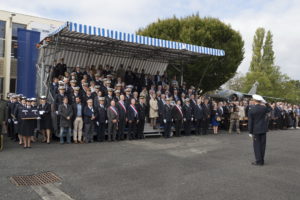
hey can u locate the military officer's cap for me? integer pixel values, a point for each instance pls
(127, 90)
(73, 81)
(97, 86)
(29, 100)
(33, 99)
(97, 75)
(110, 89)
(77, 88)
(142, 97)
(61, 88)
(85, 84)
(117, 91)
(129, 86)
(101, 98)
(168, 99)
(109, 75)
(186, 100)
(43, 97)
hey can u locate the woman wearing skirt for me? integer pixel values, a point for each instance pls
(28, 126)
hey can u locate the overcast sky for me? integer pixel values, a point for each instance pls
(282, 17)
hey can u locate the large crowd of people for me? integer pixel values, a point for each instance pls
(101, 103)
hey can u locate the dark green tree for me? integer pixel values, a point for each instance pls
(210, 71)
(257, 46)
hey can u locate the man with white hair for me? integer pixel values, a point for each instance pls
(258, 127)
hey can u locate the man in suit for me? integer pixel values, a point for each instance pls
(177, 115)
(198, 115)
(90, 115)
(122, 110)
(65, 112)
(206, 116)
(101, 119)
(133, 119)
(113, 118)
(187, 117)
(142, 109)
(167, 118)
(258, 127)
(77, 120)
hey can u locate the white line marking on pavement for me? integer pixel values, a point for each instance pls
(50, 192)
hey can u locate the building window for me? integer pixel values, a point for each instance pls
(2, 47)
(12, 88)
(2, 29)
(1, 85)
(14, 44)
(2, 38)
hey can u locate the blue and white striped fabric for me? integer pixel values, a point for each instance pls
(92, 30)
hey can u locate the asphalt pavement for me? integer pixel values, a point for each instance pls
(194, 167)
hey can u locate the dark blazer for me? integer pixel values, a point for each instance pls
(167, 113)
(187, 112)
(176, 114)
(198, 112)
(131, 115)
(258, 119)
(142, 110)
(101, 114)
(64, 113)
(121, 111)
(88, 113)
(206, 111)
(47, 114)
(111, 115)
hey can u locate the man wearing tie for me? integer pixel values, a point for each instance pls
(177, 115)
(142, 109)
(122, 110)
(113, 118)
(65, 112)
(167, 118)
(187, 117)
(133, 119)
(198, 114)
(89, 114)
(101, 119)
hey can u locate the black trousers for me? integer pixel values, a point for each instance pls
(131, 130)
(101, 132)
(121, 128)
(178, 126)
(167, 130)
(198, 125)
(140, 129)
(187, 127)
(259, 145)
(205, 124)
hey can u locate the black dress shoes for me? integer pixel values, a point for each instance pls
(257, 164)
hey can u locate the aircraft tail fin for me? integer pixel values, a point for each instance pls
(253, 90)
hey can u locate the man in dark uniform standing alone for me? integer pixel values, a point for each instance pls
(258, 128)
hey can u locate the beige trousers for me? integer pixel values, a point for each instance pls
(77, 130)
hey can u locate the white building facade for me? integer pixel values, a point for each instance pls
(9, 24)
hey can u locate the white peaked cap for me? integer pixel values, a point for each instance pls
(258, 98)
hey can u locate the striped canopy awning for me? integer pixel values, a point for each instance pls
(87, 45)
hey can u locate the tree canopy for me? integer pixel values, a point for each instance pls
(213, 71)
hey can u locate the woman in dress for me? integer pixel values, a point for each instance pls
(215, 118)
(153, 114)
(45, 122)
